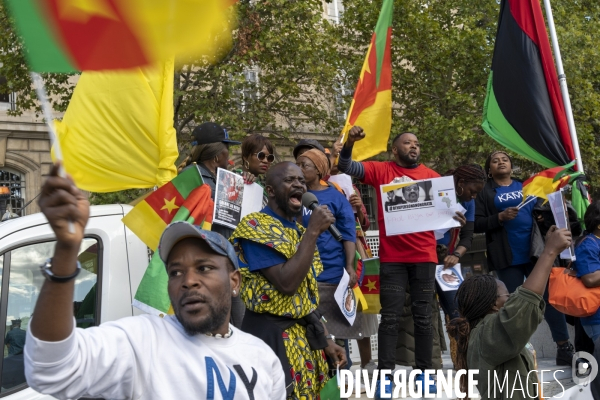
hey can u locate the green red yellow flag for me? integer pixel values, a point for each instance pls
(371, 107)
(77, 35)
(549, 181)
(185, 198)
(524, 109)
(117, 119)
(180, 200)
(370, 286)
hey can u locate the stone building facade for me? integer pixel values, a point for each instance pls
(24, 159)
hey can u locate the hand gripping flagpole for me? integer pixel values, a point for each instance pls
(38, 83)
(562, 80)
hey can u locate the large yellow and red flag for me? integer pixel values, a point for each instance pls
(371, 107)
(99, 35)
(118, 130)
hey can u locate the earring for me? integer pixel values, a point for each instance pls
(462, 190)
(216, 159)
(490, 175)
(246, 164)
(234, 292)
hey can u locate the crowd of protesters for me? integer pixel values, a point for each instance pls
(290, 264)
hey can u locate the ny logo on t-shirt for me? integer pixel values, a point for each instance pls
(228, 393)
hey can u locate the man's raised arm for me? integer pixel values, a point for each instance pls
(345, 163)
(67, 211)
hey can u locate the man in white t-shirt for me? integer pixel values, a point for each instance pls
(194, 354)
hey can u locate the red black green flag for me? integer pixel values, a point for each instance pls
(524, 110)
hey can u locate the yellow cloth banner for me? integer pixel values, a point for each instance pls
(376, 121)
(118, 130)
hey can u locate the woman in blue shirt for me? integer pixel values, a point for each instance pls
(508, 236)
(335, 256)
(588, 263)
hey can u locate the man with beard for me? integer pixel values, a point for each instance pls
(194, 354)
(411, 193)
(279, 262)
(405, 259)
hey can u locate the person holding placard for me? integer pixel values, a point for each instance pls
(405, 259)
(257, 156)
(507, 221)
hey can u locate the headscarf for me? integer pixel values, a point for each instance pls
(319, 159)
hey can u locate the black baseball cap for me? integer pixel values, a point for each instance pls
(311, 143)
(180, 230)
(209, 132)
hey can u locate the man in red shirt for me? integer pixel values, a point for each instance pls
(405, 259)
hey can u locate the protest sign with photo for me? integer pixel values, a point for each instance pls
(345, 298)
(419, 206)
(234, 199)
(448, 278)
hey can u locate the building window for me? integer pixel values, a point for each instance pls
(369, 199)
(16, 182)
(334, 10)
(7, 100)
(247, 91)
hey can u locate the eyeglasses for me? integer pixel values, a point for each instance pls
(261, 156)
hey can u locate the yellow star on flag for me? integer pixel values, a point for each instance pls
(83, 10)
(170, 205)
(371, 285)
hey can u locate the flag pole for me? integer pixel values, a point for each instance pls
(562, 80)
(38, 83)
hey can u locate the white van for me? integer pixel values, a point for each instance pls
(113, 262)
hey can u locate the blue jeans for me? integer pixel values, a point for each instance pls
(513, 277)
(593, 331)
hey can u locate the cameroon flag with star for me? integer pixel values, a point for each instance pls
(371, 107)
(185, 198)
(370, 285)
(171, 202)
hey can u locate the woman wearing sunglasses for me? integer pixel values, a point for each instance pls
(257, 157)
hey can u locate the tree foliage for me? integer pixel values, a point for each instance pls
(279, 77)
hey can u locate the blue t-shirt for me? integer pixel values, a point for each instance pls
(469, 215)
(259, 256)
(519, 228)
(332, 252)
(588, 261)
